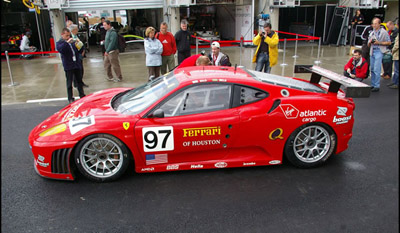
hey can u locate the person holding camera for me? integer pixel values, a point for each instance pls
(71, 62)
(266, 54)
(378, 40)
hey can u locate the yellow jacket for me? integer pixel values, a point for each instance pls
(272, 48)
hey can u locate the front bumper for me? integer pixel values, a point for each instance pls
(52, 160)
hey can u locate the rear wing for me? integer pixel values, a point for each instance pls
(352, 88)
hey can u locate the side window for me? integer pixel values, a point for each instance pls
(198, 99)
(245, 95)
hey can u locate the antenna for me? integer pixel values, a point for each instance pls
(235, 68)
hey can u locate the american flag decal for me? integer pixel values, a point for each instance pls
(156, 159)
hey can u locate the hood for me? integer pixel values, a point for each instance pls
(96, 104)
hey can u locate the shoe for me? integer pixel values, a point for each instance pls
(71, 100)
(394, 86)
(109, 79)
(117, 80)
(390, 84)
(375, 89)
(387, 77)
(84, 84)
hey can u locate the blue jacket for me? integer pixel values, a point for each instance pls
(153, 49)
(65, 50)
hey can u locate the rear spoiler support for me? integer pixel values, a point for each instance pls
(352, 88)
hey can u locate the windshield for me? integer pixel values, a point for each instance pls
(136, 100)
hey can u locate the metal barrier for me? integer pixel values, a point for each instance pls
(6, 53)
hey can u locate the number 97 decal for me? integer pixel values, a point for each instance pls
(158, 138)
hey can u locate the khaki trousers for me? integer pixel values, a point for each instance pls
(167, 60)
(112, 60)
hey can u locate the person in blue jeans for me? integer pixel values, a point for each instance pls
(395, 52)
(266, 54)
(378, 40)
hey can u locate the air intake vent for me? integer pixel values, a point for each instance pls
(59, 161)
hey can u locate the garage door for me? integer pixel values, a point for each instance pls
(84, 5)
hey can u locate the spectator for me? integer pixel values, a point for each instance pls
(182, 38)
(111, 54)
(153, 49)
(395, 53)
(25, 47)
(378, 40)
(81, 49)
(102, 31)
(71, 62)
(266, 54)
(69, 23)
(388, 63)
(357, 20)
(203, 61)
(357, 67)
(216, 57)
(169, 48)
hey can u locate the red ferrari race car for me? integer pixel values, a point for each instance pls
(199, 118)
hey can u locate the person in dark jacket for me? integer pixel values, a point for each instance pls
(388, 64)
(182, 38)
(71, 62)
(111, 55)
(357, 67)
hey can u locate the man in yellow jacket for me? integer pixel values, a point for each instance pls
(266, 54)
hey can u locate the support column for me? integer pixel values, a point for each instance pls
(175, 21)
(57, 23)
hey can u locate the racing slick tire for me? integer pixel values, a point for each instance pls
(101, 157)
(310, 145)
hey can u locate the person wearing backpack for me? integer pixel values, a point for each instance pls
(357, 67)
(111, 54)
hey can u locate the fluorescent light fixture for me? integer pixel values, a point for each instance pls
(9, 1)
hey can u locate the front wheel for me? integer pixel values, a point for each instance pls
(101, 157)
(310, 145)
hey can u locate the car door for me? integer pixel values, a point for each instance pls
(198, 125)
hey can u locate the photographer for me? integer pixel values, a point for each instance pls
(71, 62)
(266, 54)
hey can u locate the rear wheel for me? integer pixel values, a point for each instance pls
(310, 145)
(101, 157)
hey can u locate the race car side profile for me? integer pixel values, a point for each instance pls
(199, 118)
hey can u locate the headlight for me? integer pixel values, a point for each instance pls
(53, 130)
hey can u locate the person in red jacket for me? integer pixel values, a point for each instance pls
(357, 67)
(169, 48)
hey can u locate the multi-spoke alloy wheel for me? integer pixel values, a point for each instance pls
(101, 157)
(310, 145)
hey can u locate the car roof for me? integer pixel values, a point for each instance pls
(212, 73)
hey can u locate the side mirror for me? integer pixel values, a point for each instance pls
(159, 113)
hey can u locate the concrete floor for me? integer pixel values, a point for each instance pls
(44, 77)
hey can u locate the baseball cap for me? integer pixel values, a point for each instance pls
(215, 44)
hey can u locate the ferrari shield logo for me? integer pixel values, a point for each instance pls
(126, 125)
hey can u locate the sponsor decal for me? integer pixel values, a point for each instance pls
(147, 169)
(202, 143)
(41, 162)
(70, 114)
(195, 81)
(156, 159)
(205, 131)
(222, 80)
(341, 111)
(196, 166)
(309, 113)
(126, 125)
(249, 164)
(158, 138)
(274, 162)
(173, 167)
(203, 80)
(276, 133)
(289, 111)
(341, 120)
(77, 124)
(220, 165)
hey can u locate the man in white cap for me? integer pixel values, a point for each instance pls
(216, 57)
